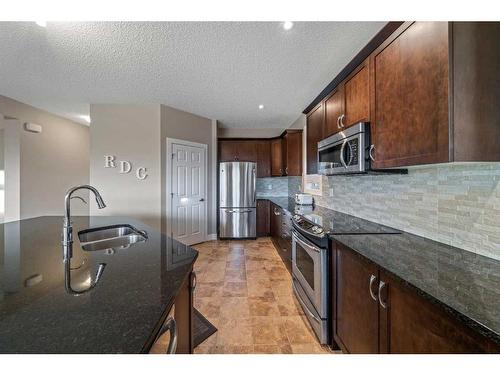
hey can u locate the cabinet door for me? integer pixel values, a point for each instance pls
(410, 100)
(276, 158)
(411, 324)
(227, 151)
(263, 217)
(246, 150)
(314, 134)
(263, 149)
(293, 165)
(275, 222)
(284, 153)
(356, 311)
(357, 97)
(334, 108)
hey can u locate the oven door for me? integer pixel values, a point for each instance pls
(309, 268)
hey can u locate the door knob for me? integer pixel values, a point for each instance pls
(202, 200)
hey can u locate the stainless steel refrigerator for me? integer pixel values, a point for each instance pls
(237, 200)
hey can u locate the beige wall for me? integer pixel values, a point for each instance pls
(189, 127)
(51, 161)
(248, 133)
(132, 133)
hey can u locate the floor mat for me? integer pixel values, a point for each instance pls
(203, 329)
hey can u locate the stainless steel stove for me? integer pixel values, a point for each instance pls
(310, 259)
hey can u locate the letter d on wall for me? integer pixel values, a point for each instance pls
(125, 166)
(141, 173)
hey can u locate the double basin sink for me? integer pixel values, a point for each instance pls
(111, 238)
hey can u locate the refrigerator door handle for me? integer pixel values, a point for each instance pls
(254, 188)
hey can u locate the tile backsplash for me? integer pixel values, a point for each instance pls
(278, 186)
(457, 204)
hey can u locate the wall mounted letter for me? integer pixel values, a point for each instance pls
(125, 166)
(109, 161)
(141, 173)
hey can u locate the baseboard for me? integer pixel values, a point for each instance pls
(211, 237)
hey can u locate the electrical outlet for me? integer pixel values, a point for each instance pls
(270, 187)
(330, 192)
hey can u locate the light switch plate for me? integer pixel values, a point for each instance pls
(330, 192)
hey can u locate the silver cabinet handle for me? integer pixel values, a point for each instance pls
(276, 212)
(338, 122)
(171, 326)
(372, 148)
(381, 286)
(286, 170)
(194, 281)
(342, 125)
(373, 278)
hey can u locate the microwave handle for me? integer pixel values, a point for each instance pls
(342, 154)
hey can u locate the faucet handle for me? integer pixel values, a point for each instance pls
(78, 197)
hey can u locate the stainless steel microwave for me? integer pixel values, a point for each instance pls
(345, 152)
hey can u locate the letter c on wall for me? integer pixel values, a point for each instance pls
(141, 173)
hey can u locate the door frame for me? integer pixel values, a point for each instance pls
(168, 180)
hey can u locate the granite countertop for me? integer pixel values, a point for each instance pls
(464, 283)
(120, 315)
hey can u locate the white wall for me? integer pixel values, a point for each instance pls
(132, 133)
(50, 162)
(189, 127)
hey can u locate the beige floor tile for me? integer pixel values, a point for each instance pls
(298, 331)
(236, 274)
(234, 307)
(235, 289)
(210, 307)
(282, 287)
(208, 289)
(288, 306)
(234, 332)
(234, 349)
(269, 330)
(310, 348)
(257, 274)
(260, 288)
(263, 306)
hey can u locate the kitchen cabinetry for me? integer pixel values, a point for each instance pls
(375, 313)
(333, 111)
(292, 152)
(281, 234)
(263, 150)
(263, 217)
(241, 150)
(411, 123)
(276, 157)
(314, 134)
(182, 314)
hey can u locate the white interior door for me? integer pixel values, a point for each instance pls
(188, 193)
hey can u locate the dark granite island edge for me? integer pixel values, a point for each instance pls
(122, 314)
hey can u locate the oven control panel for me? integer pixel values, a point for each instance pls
(308, 226)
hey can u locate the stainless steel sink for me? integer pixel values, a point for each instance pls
(113, 237)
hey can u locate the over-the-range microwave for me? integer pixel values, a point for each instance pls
(346, 152)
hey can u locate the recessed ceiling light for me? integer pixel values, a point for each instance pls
(41, 23)
(287, 25)
(261, 106)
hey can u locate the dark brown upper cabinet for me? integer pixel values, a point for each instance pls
(263, 149)
(433, 92)
(357, 96)
(334, 108)
(276, 157)
(314, 134)
(292, 152)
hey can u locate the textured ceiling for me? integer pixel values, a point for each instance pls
(219, 70)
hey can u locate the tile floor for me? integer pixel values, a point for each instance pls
(245, 290)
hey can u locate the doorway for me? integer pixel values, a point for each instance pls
(186, 195)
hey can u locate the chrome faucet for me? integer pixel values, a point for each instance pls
(67, 234)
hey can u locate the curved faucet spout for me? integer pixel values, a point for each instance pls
(67, 234)
(67, 279)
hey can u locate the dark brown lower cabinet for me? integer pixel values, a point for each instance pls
(374, 312)
(263, 218)
(280, 235)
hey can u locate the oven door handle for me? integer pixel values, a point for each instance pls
(299, 240)
(304, 305)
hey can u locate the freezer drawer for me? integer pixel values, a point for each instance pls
(237, 222)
